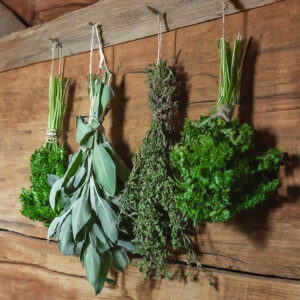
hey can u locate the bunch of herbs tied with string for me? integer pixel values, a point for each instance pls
(219, 170)
(148, 199)
(51, 158)
(87, 196)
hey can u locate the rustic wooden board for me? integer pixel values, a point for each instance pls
(121, 21)
(258, 242)
(8, 22)
(34, 12)
(33, 269)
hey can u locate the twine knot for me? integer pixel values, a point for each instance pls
(224, 111)
(52, 136)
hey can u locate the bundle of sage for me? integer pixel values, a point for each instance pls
(87, 196)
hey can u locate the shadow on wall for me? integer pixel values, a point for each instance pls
(255, 223)
(67, 115)
(117, 111)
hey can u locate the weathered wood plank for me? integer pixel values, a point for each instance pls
(265, 241)
(121, 21)
(34, 269)
(8, 22)
(34, 12)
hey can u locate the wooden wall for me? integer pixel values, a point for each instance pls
(255, 256)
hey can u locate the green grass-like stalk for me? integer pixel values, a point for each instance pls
(231, 65)
(57, 94)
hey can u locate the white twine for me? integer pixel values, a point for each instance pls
(102, 56)
(92, 46)
(61, 65)
(223, 111)
(102, 60)
(51, 136)
(159, 38)
(52, 57)
(223, 18)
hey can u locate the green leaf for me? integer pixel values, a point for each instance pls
(84, 132)
(108, 218)
(128, 246)
(52, 179)
(104, 268)
(79, 177)
(54, 191)
(96, 267)
(120, 259)
(105, 169)
(75, 162)
(92, 267)
(107, 94)
(81, 213)
(122, 170)
(102, 243)
(66, 244)
(52, 227)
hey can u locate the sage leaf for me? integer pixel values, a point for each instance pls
(79, 177)
(54, 191)
(122, 170)
(73, 165)
(66, 244)
(92, 267)
(105, 169)
(120, 259)
(108, 218)
(128, 246)
(52, 179)
(106, 96)
(52, 227)
(81, 213)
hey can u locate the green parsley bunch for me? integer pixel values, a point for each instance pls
(51, 158)
(217, 166)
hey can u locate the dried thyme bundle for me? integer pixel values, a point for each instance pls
(148, 198)
(218, 168)
(87, 196)
(51, 158)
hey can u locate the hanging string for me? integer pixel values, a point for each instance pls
(223, 18)
(60, 55)
(102, 60)
(92, 46)
(159, 38)
(102, 56)
(52, 57)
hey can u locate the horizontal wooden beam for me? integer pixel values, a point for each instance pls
(121, 21)
(36, 267)
(8, 21)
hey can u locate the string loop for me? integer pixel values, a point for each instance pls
(102, 60)
(159, 38)
(223, 18)
(57, 46)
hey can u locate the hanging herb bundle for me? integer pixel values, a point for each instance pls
(51, 158)
(148, 197)
(219, 170)
(87, 196)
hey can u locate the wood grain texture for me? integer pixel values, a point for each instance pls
(33, 269)
(8, 22)
(121, 21)
(265, 241)
(35, 12)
